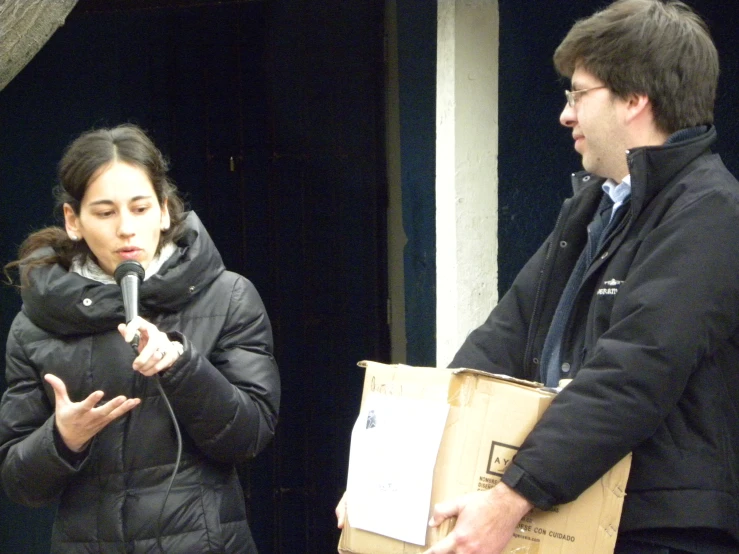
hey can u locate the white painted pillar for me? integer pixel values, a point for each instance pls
(466, 170)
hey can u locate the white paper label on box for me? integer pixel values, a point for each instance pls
(391, 464)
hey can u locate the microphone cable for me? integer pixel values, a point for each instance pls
(128, 275)
(135, 346)
(177, 461)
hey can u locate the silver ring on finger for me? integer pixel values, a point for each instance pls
(159, 353)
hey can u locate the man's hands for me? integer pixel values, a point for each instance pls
(78, 422)
(341, 512)
(486, 521)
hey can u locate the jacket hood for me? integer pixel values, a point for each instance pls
(65, 303)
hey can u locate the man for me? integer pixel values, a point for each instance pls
(634, 296)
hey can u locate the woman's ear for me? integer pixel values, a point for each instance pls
(166, 220)
(71, 223)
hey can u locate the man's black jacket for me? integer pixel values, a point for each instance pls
(653, 343)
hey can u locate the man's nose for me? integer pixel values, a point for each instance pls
(568, 118)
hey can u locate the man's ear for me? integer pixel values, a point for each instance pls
(639, 117)
(638, 105)
(71, 223)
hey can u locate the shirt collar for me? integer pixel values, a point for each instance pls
(618, 193)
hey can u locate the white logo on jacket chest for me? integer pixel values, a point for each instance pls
(611, 288)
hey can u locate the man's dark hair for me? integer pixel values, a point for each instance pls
(660, 48)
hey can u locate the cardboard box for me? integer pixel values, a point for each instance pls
(489, 417)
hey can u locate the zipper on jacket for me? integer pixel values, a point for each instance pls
(567, 335)
(546, 268)
(609, 240)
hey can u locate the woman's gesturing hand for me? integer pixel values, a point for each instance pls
(78, 422)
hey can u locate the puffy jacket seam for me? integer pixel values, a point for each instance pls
(201, 498)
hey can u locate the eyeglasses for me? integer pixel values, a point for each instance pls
(573, 95)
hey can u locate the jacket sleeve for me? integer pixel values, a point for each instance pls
(229, 401)
(675, 314)
(33, 472)
(499, 344)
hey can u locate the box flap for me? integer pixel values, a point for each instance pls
(463, 370)
(502, 377)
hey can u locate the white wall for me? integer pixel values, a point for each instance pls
(466, 169)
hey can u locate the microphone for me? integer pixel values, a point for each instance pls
(128, 275)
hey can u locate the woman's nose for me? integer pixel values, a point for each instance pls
(126, 225)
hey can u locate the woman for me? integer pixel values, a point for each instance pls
(84, 420)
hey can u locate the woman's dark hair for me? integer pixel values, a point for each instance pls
(660, 48)
(83, 160)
